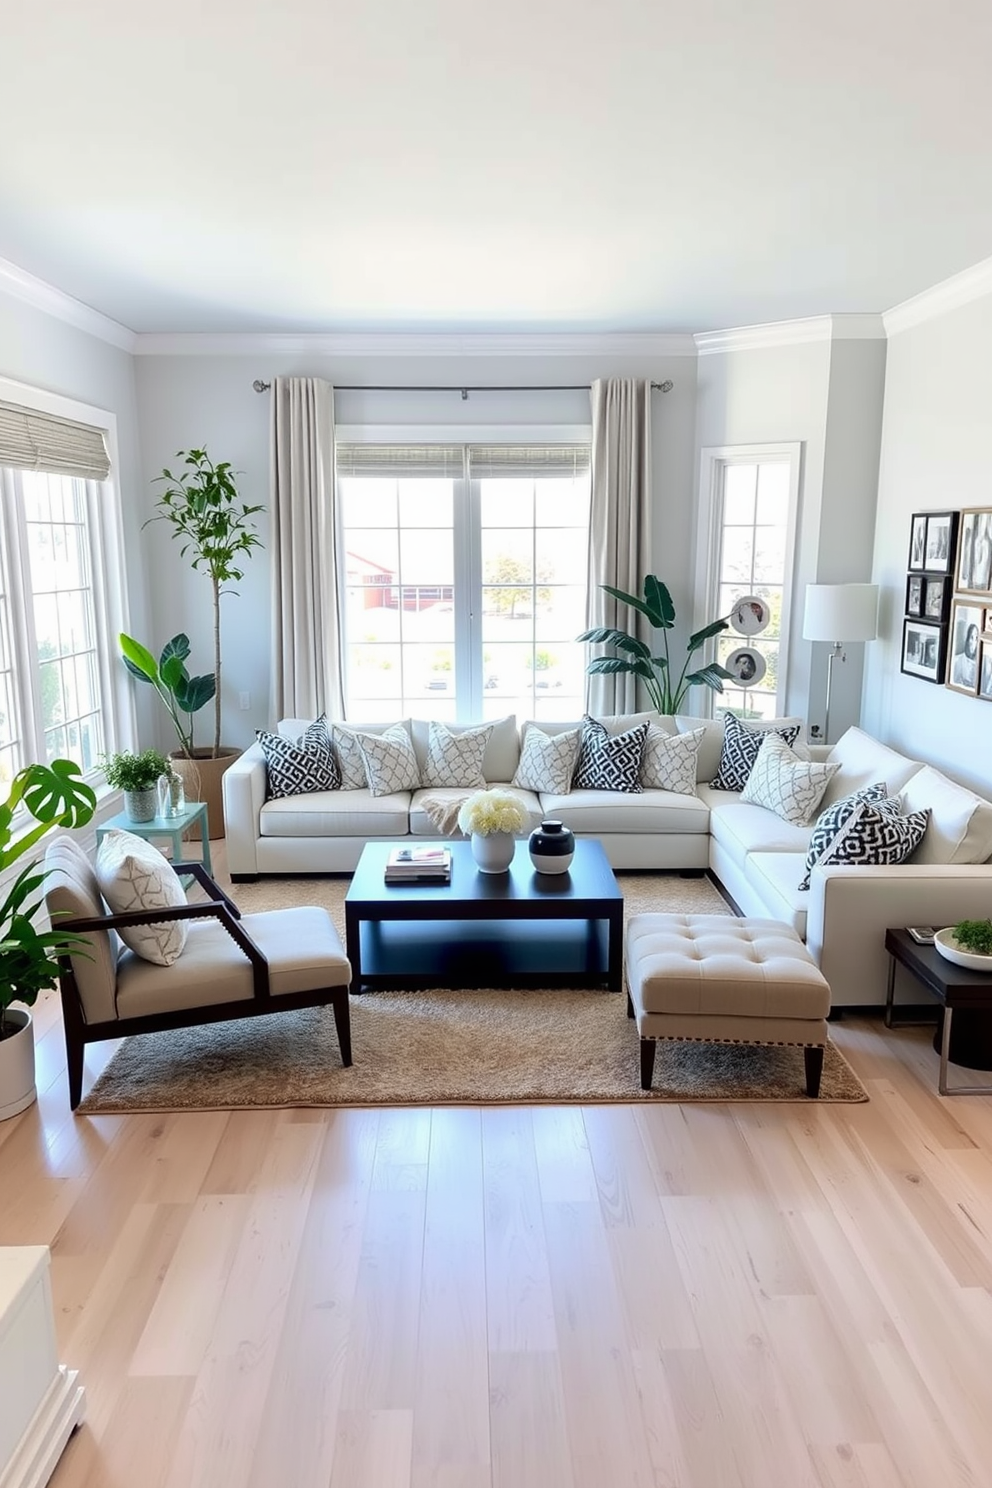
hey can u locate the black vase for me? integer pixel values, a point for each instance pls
(552, 847)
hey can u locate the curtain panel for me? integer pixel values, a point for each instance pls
(619, 524)
(307, 654)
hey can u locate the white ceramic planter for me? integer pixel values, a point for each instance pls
(17, 1089)
(142, 805)
(493, 854)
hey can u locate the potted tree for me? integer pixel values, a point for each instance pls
(137, 775)
(55, 795)
(206, 513)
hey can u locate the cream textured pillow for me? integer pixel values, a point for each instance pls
(669, 761)
(455, 760)
(792, 788)
(134, 875)
(547, 761)
(390, 762)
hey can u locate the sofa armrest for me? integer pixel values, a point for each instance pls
(851, 908)
(244, 785)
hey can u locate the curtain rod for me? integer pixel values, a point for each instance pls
(581, 387)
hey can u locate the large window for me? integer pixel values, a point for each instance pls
(465, 579)
(747, 530)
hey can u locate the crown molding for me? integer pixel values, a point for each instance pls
(791, 333)
(21, 285)
(400, 344)
(949, 294)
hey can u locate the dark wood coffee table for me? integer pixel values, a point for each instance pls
(515, 929)
(966, 1006)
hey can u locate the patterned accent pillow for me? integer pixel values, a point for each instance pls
(295, 767)
(792, 788)
(390, 763)
(865, 827)
(609, 762)
(547, 761)
(740, 750)
(669, 761)
(455, 760)
(351, 761)
(134, 875)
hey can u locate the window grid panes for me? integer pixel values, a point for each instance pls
(752, 559)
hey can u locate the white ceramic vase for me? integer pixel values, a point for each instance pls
(493, 853)
(17, 1088)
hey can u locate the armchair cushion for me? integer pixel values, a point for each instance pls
(72, 893)
(132, 875)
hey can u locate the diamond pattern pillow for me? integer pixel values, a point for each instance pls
(294, 768)
(609, 762)
(792, 788)
(390, 763)
(455, 760)
(134, 875)
(740, 750)
(351, 761)
(547, 761)
(865, 827)
(669, 761)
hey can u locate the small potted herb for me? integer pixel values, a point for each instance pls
(137, 776)
(974, 936)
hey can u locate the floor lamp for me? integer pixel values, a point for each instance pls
(839, 614)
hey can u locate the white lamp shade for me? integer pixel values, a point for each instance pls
(841, 612)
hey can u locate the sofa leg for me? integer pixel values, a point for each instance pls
(244, 878)
(813, 1059)
(648, 1047)
(630, 1007)
(342, 1022)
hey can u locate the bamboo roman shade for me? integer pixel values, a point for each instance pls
(537, 461)
(30, 440)
(401, 461)
(447, 461)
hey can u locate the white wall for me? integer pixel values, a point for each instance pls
(936, 454)
(186, 401)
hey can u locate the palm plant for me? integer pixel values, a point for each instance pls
(665, 691)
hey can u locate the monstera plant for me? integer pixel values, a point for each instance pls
(655, 669)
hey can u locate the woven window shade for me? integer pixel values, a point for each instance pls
(401, 461)
(30, 440)
(534, 461)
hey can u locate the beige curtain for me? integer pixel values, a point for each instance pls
(619, 525)
(306, 607)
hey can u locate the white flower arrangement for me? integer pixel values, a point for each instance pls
(489, 811)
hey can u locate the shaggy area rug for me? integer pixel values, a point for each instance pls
(443, 1047)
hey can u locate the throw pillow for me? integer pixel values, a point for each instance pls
(669, 761)
(294, 768)
(390, 763)
(455, 760)
(134, 875)
(351, 761)
(792, 788)
(865, 827)
(609, 762)
(547, 761)
(740, 750)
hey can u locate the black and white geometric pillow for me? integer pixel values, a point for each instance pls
(296, 767)
(609, 762)
(866, 829)
(740, 750)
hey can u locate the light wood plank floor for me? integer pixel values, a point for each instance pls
(681, 1297)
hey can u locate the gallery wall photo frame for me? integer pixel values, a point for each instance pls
(964, 646)
(924, 650)
(941, 545)
(936, 596)
(914, 595)
(918, 543)
(973, 571)
(985, 672)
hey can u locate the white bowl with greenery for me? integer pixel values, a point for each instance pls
(968, 944)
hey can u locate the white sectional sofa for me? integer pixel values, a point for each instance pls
(756, 856)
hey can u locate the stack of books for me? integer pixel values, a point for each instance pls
(425, 864)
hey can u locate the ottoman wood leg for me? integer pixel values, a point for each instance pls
(648, 1047)
(813, 1059)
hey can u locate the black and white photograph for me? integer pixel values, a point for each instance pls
(747, 666)
(941, 532)
(936, 598)
(918, 542)
(923, 647)
(974, 567)
(914, 594)
(966, 630)
(985, 680)
(988, 623)
(750, 615)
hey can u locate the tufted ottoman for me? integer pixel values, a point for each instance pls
(725, 980)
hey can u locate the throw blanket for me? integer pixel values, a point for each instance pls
(443, 812)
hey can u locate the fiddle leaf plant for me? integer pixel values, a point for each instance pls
(665, 690)
(182, 694)
(56, 796)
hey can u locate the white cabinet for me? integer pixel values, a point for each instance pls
(41, 1402)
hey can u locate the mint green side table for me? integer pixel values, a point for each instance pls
(165, 826)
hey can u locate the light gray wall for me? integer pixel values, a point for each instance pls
(936, 441)
(192, 400)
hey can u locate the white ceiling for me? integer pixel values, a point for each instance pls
(240, 165)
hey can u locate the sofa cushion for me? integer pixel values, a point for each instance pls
(670, 761)
(960, 826)
(390, 763)
(502, 754)
(133, 875)
(741, 744)
(742, 828)
(298, 767)
(789, 787)
(610, 762)
(350, 813)
(711, 747)
(863, 831)
(547, 761)
(863, 761)
(597, 812)
(775, 876)
(421, 824)
(454, 759)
